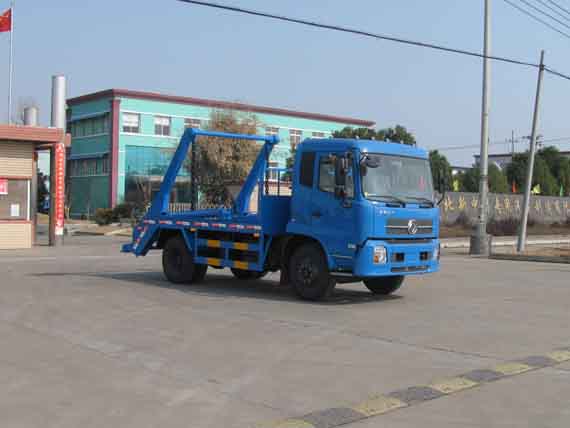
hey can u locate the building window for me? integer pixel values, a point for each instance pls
(272, 174)
(192, 123)
(131, 123)
(319, 135)
(162, 125)
(271, 130)
(295, 137)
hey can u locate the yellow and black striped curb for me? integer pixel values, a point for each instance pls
(382, 404)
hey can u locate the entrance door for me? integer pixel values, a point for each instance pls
(332, 218)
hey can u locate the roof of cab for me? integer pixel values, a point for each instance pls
(365, 146)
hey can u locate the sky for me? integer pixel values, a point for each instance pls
(171, 47)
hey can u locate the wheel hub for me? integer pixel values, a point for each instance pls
(307, 272)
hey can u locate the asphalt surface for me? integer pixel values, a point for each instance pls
(90, 337)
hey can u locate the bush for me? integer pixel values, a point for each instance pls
(103, 216)
(124, 210)
(463, 221)
(503, 227)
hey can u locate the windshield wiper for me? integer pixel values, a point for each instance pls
(392, 197)
(420, 199)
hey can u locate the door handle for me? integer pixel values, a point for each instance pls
(317, 214)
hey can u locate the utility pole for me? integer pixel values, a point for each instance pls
(480, 240)
(526, 202)
(512, 144)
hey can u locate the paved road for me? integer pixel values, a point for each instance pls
(93, 338)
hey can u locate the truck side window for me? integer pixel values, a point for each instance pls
(326, 177)
(307, 169)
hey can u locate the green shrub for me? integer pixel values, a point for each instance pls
(103, 216)
(124, 210)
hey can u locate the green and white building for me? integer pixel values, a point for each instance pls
(122, 138)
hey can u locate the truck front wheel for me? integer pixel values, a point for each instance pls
(384, 285)
(178, 263)
(309, 273)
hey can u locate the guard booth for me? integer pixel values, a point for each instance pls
(18, 182)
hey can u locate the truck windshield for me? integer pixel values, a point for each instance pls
(395, 178)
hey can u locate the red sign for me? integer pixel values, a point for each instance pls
(59, 188)
(3, 186)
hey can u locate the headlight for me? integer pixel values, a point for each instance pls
(437, 252)
(379, 256)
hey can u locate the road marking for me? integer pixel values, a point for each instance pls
(378, 405)
(454, 384)
(381, 404)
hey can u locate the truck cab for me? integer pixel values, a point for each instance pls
(371, 207)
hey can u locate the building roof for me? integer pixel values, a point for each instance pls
(111, 93)
(36, 134)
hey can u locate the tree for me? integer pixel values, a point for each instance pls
(558, 165)
(399, 134)
(516, 172)
(440, 170)
(222, 161)
(42, 189)
(497, 180)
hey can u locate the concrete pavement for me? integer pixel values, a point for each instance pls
(93, 338)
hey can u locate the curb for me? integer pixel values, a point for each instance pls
(539, 259)
(510, 243)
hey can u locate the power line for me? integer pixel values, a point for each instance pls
(357, 32)
(559, 140)
(546, 5)
(384, 37)
(558, 6)
(536, 18)
(539, 10)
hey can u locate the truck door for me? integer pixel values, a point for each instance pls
(332, 217)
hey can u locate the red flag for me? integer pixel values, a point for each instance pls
(514, 187)
(6, 21)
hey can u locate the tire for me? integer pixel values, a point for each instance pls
(178, 263)
(384, 285)
(245, 275)
(309, 273)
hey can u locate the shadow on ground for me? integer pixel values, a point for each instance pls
(224, 285)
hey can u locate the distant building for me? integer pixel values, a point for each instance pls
(502, 160)
(122, 140)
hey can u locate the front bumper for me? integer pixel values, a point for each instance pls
(403, 258)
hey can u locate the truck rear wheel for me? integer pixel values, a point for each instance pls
(384, 285)
(178, 263)
(309, 273)
(247, 274)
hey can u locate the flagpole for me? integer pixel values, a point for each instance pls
(11, 72)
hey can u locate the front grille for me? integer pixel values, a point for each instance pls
(403, 241)
(409, 269)
(400, 226)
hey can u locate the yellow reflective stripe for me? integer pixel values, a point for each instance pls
(214, 244)
(378, 405)
(510, 369)
(559, 356)
(241, 246)
(451, 385)
(241, 265)
(214, 262)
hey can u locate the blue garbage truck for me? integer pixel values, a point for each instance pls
(349, 211)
